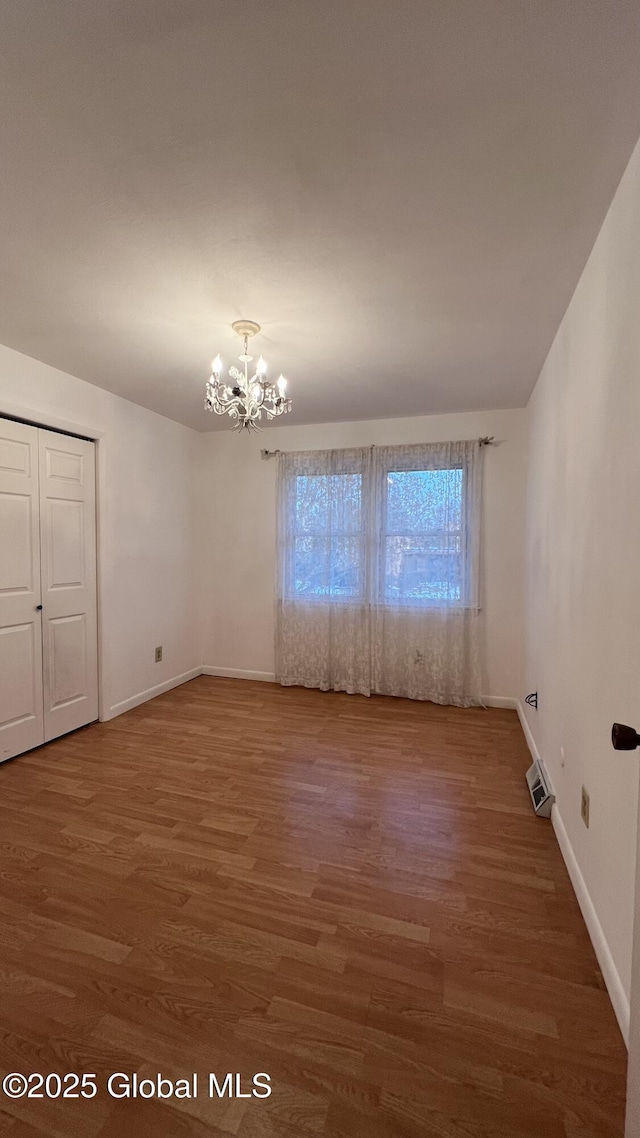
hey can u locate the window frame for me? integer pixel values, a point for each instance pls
(357, 535)
(373, 465)
(303, 465)
(407, 466)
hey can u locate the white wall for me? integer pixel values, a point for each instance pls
(582, 597)
(187, 529)
(146, 524)
(236, 517)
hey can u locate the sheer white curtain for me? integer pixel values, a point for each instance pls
(425, 607)
(378, 570)
(322, 620)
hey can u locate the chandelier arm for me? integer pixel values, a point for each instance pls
(226, 399)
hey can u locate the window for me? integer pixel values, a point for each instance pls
(327, 536)
(422, 539)
(387, 526)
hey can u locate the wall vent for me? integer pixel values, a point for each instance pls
(542, 796)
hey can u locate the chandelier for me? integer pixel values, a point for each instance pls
(245, 399)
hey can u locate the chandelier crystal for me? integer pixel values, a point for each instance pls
(246, 399)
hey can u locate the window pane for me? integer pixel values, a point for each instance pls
(328, 559)
(422, 555)
(423, 569)
(420, 501)
(328, 502)
(327, 568)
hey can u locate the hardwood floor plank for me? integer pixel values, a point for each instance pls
(238, 877)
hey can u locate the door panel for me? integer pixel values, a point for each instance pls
(68, 536)
(19, 570)
(66, 527)
(19, 693)
(67, 659)
(21, 706)
(65, 467)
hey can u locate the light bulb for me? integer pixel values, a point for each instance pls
(282, 384)
(216, 365)
(261, 366)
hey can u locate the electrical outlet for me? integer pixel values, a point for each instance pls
(158, 654)
(584, 807)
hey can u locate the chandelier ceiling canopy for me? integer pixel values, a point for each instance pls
(246, 398)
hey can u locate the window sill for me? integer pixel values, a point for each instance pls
(392, 606)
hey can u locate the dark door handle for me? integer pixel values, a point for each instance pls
(624, 738)
(38, 608)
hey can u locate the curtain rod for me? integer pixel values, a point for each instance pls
(485, 441)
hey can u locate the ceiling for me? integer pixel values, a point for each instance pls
(402, 192)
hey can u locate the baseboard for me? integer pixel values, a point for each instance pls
(151, 693)
(531, 743)
(238, 674)
(499, 701)
(610, 973)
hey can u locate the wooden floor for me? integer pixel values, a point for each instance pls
(350, 895)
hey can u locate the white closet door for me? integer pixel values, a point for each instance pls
(68, 559)
(21, 716)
